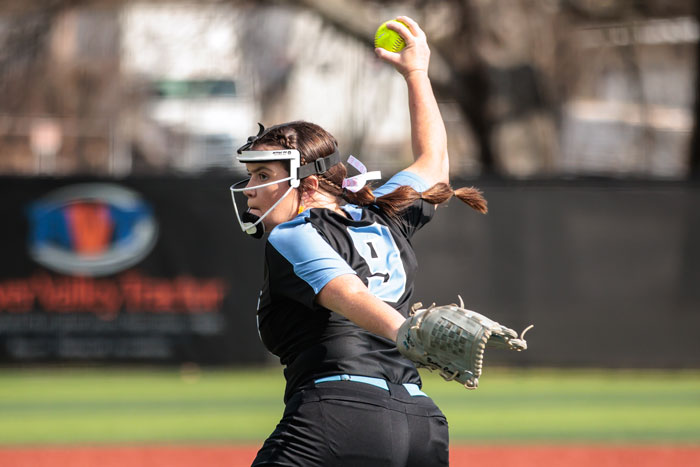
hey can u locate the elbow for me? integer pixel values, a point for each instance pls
(443, 172)
(433, 168)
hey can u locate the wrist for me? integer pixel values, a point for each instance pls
(415, 74)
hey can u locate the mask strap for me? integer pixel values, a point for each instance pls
(319, 166)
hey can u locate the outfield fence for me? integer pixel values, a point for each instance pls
(156, 270)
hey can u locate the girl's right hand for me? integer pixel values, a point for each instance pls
(415, 56)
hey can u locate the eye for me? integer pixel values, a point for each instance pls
(263, 176)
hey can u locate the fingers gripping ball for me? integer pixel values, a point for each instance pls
(387, 39)
(452, 340)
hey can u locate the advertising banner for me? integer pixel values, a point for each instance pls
(148, 270)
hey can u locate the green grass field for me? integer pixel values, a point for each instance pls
(108, 406)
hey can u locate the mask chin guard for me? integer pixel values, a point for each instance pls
(249, 226)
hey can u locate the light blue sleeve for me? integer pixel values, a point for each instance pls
(404, 177)
(313, 259)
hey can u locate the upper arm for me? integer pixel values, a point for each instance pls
(309, 255)
(430, 171)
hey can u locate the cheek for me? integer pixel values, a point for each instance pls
(270, 196)
(286, 204)
(286, 209)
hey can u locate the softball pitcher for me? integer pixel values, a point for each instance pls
(339, 275)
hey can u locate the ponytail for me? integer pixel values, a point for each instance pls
(363, 197)
(313, 142)
(404, 196)
(473, 198)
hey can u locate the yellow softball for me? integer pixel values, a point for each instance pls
(388, 39)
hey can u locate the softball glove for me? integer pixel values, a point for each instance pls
(452, 339)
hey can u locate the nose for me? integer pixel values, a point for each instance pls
(249, 193)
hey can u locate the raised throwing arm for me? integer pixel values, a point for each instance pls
(428, 135)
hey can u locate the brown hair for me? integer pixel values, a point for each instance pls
(313, 142)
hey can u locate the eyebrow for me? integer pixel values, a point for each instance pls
(258, 169)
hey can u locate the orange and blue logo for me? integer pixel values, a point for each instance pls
(91, 229)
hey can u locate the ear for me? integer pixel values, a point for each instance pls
(311, 187)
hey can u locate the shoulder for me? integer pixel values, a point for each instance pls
(302, 240)
(293, 234)
(417, 214)
(307, 251)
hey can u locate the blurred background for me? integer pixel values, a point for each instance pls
(578, 119)
(536, 88)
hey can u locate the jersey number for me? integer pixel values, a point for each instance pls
(387, 277)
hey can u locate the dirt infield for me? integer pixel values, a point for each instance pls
(575, 456)
(220, 456)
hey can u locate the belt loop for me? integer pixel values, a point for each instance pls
(414, 390)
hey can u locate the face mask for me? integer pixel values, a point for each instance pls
(252, 224)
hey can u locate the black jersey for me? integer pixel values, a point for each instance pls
(304, 254)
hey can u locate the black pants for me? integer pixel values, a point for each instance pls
(348, 423)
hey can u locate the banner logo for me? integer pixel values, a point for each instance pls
(91, 229)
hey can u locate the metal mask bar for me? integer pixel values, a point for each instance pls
(251, 227)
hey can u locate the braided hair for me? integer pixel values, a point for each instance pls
(313, 142)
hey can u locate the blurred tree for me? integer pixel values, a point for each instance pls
(694, 163)
(23, 45)
(482, 64)
(607, 10)
(458, 73)
(48, 68)
(509, 65)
